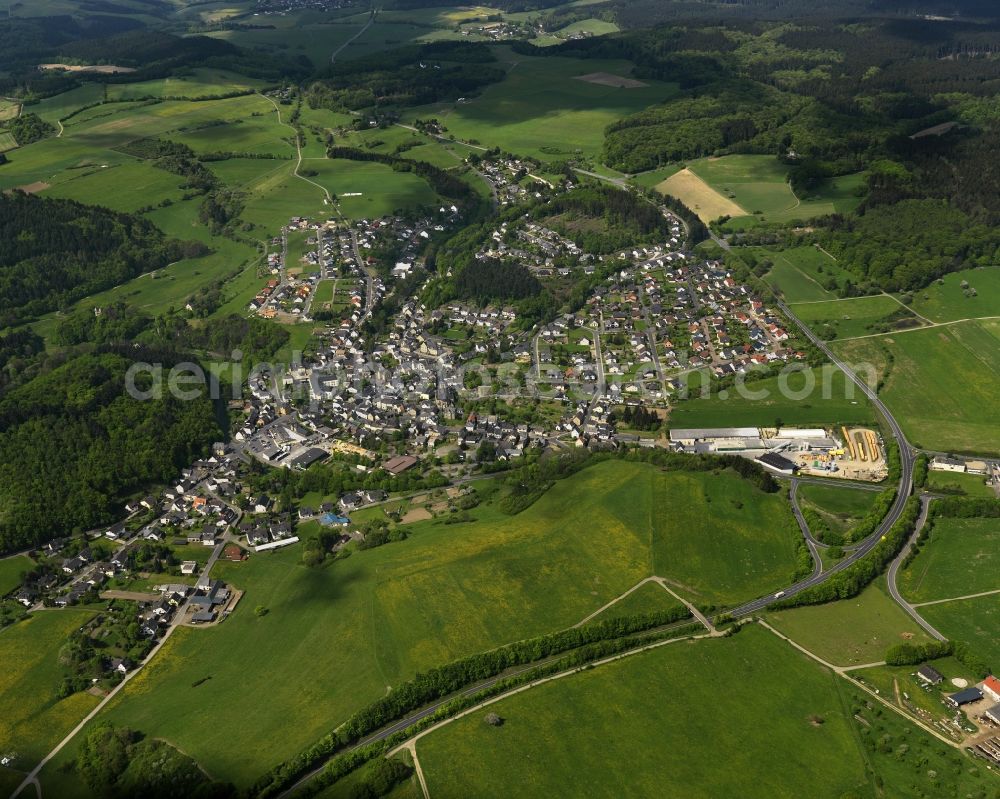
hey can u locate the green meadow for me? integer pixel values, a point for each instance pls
(853, 631)
(962, 557)
(33, 718)
(542, 109)
(804, 404)
(647, 725)
(10, 572)
(847, 318)
(337, 637)
(945, 300)
(974, 621)
(759, 184)
(382, 190)
(647, 598)
(803, 274)
(938, 382)
(974, 485)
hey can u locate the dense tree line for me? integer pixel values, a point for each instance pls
(912, 654)
(29, 128)
(117, 322)
(176, 158)
(485, 280)
(628, 218)
(638, 417)
(53, 252)
(118, 762)
(406, 76)
(74, 445)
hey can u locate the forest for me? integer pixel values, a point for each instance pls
(74, 445)
(54, 252)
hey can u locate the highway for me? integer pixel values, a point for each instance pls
(906, 459)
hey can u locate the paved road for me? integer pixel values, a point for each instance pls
(830, 482)
(925, 502)
(355, 37)
(811, 542)
(906, 457)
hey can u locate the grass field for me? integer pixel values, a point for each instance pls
(852, 631)
(974, 621)
(840, 507)
(10, 572)
(845, 404)
(197, 84)
(383, 191)
(32, 716)
(648, 726)
(938, 383)
(7, 141)
(802, 274)
(374, 619)
(962, 557)
(847, 318)
(946, 301)
(974, 485)
(759, 185)
(540, 109)
(9, 109)
(647, 598)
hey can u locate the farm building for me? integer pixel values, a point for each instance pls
(930, 675)
(993, 714)
(399, 464)
(777, 462)
(966, 697)
(991, 687)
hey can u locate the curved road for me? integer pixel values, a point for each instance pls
(811, 542)
(906, 459)
(925, 501)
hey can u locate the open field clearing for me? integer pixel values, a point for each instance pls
(382, 190)
(654, 177)
(374, 619)
(644, 726)
(839, 507)
(10, 572)
(803, 274)
(7, 142)
(946, 300)
(857, 316)
(199, 83)
(647, 598)
(314, 36)
(939, 382)
(759, 185)
(962, 557)
(540, 109)
(853, 631)
(845, 403)
(697, 195)
(974, 621)
(32, 716)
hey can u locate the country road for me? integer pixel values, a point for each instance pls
(925, 502)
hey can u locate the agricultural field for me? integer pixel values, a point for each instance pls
(946, 300)
(938, 382)
(697, 195)
(962, 557)
(857, 316)
(840, 507)
(543, 109)
(974, 621)
(10, 572)
(850, 632)
(33, 718)
(647, 598)
(567, 736)
(845, 403)
(759, 185)
(9, 109)
(449, 590)
(802, 274)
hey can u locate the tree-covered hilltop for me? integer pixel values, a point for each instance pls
(54, 252)
(74, 445)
